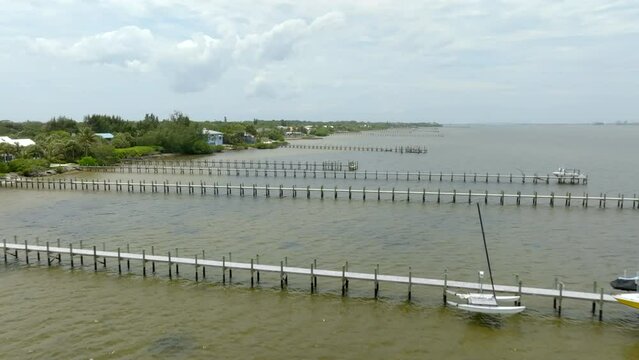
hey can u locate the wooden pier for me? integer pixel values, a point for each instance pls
(54, 254)
(417, 149)
(294, 191)
(326, 173)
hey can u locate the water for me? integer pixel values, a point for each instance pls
(63, 313)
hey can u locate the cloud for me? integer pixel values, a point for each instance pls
(129, 46)
(192, 64)
(195, 63)
(266, 84)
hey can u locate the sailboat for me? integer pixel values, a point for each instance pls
(486, 303)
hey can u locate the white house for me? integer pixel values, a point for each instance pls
(213, 137)
(105, 136)
(19, 142)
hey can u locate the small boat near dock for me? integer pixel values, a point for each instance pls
(570, 176)
(625, 282)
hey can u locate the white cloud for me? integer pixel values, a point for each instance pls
(127, 46)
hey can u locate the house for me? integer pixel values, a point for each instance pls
(18, 142)
(213, 137)
(105, 136)
(248, 138)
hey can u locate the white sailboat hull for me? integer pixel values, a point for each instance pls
(498, 310)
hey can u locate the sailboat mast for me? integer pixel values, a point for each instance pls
(490, 271)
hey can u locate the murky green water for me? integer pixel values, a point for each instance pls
(63, 313)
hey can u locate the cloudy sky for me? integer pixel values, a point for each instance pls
(449, 61)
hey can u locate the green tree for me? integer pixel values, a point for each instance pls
(122, 140)
(86, 138)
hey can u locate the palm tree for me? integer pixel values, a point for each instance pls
(86, 138)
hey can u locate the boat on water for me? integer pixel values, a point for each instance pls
(629, 299)
(625, 282)
(485, 303)
(572, 175)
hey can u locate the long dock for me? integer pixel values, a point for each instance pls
(293, 191)
(336, 174)
(54, 254)
(417, 149)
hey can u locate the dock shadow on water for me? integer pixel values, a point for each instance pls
(173, 346)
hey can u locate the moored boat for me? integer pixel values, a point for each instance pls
(629, 299)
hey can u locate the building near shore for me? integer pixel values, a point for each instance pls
(18, 142)
(213, 137)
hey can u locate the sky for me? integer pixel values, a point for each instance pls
(448, 61)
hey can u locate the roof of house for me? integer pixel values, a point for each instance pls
(19, 142)
(211, 132)
(104, 135)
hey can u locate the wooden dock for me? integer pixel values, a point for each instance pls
(416, 149)
(53, 254)
(334, 174)
(293, 191)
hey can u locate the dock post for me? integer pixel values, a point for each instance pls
(312, 286)
(347, 277)
(95, 259)
(439, 193)
(128, 261)
(70, 255)
(594, 303)
(152, 262)
(170, 271)
(535, 199)
(119, 264)
(26, 252)
(223, 269)
(343, 280)
(445, 285)
(552, 199)
(48, 255)
(601, 302)
(315, 277)
(252, 271)
(286, 275)
(4, 248)
(281, 275)
(204, 270)
(410, 283)
(519, 290)
(230, 270)
(376, 282)
(177, 266)
(197, 276)
(81, 257)
(561, 297)
(554, 299)
(143, 263)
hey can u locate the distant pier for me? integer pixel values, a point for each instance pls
(326, 172)
(416, 149)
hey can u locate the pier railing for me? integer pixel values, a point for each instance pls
(294, 191)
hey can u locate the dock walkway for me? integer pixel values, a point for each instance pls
(293, 191)
(54, 253)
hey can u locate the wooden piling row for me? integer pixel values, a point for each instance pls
(283, 191)
(313, 172)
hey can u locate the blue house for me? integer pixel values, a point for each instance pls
(213, 137)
